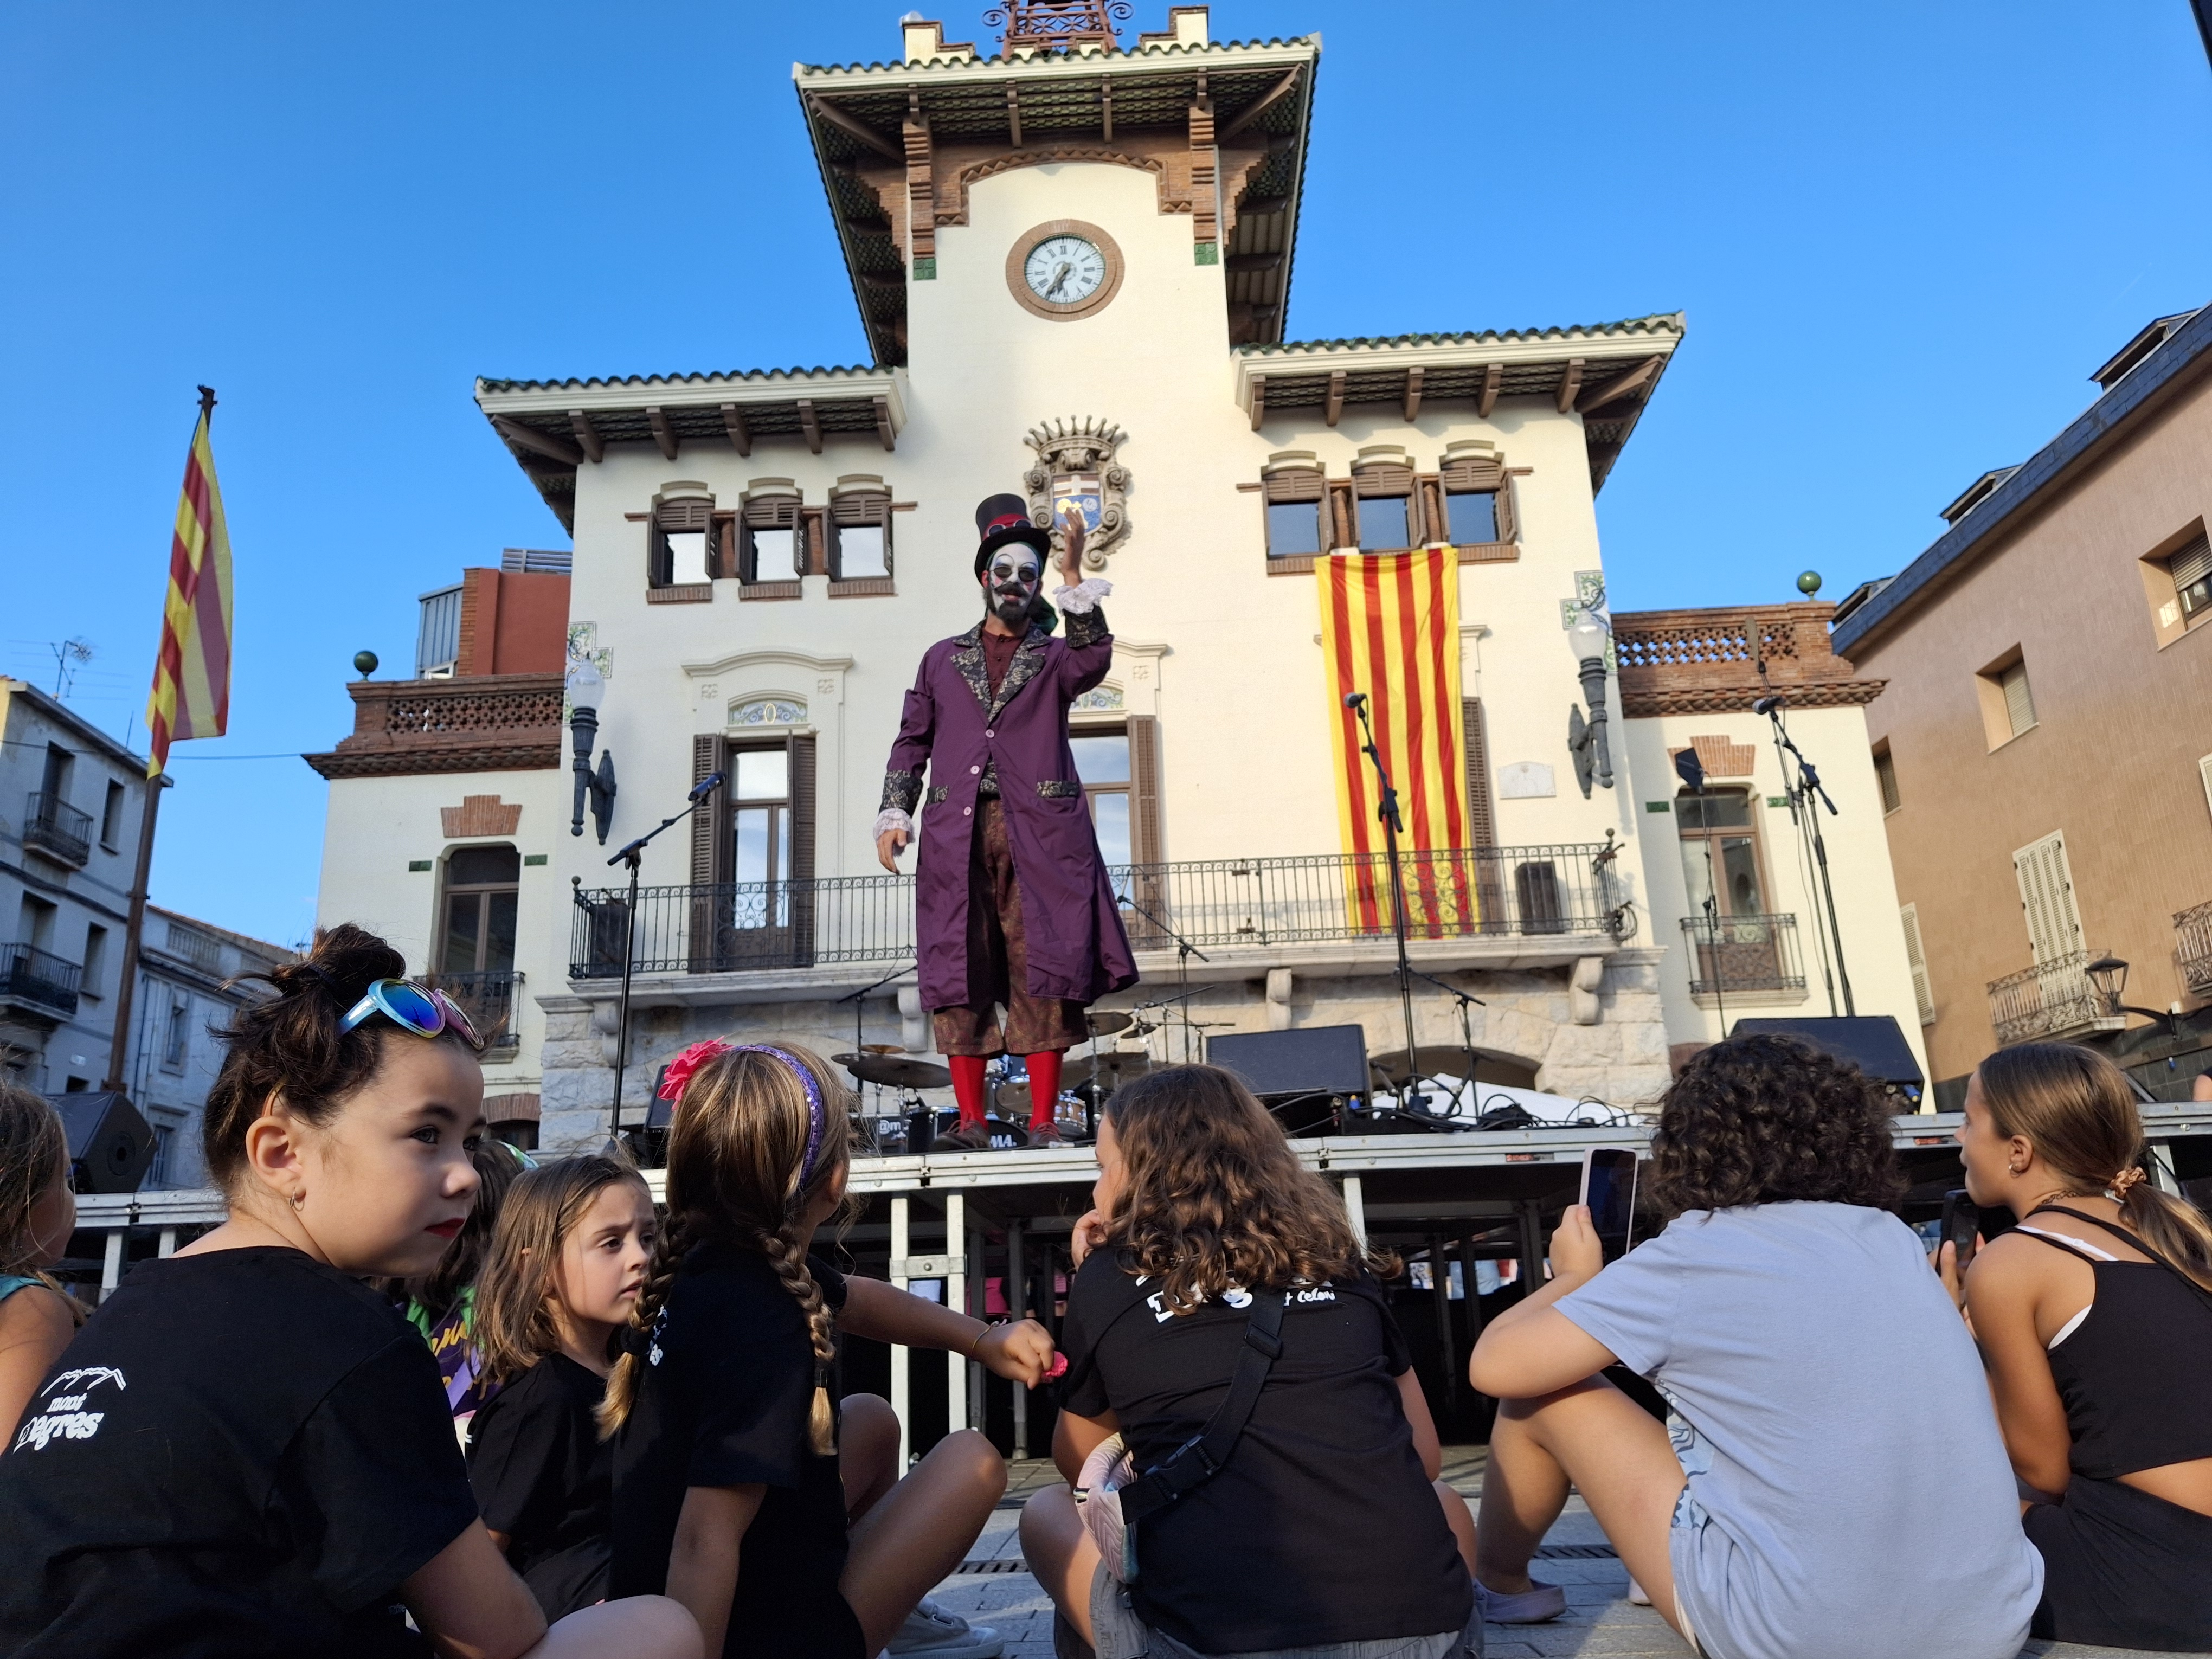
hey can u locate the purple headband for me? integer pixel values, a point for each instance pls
(680, 1070)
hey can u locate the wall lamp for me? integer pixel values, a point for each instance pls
(587, 687)
(1586, 739)
(2110, 975)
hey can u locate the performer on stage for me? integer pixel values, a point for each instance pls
(1012, 902)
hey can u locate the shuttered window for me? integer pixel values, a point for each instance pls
(2191, 570)
(1884, 776)
(2046, 899)
(770, 548)
(2018, 702)
(1383, 500)
(1917, 959)
(1478, 501)
(1481, 814)
(682, 550)
(859, 536)
(1293, 497)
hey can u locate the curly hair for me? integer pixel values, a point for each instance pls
(1216, 1200)
(735, 1152)
(1764, 1120)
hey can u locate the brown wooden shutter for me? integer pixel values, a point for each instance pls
(709, 842)
(770, 513)
(1508, 526)
(1145, 839)
(726, 545)
(856, 506)
(1341, 528)
(1429, 524)
(803, 796)
(1481, 814)
(689, 513)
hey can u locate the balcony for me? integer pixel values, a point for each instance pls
(1703, 662)
(1752, 958)
(2052, 1001)
(57, 830)
(488, 999)
(2192, 948)
(38, 980)
(482, 723)
(1495, 905)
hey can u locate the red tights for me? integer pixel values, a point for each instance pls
(1044, 1085)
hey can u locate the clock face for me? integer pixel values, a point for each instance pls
(1064, 270)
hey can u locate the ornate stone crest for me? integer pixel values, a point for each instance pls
(1075, 467)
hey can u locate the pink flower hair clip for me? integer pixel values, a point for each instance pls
(680, 1068)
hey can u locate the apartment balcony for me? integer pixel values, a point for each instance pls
(1496, 907)
(38, 982)
(482, 723)
(57, 830)
(1747, 958)
(2052, 1001)
(2192, 948)
(488, 999)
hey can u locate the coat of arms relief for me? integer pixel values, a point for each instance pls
(1075, 468)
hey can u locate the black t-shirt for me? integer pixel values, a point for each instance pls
(724, 1402)
(544, 1478)
(1322, 1527)
(241, 1454)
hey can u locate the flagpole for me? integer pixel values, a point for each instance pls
(126, 994)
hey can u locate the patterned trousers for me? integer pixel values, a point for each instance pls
(998, 961)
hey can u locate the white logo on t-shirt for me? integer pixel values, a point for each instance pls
(64, 1417)
(1238, 1297)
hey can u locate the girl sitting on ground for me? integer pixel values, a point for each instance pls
(1325, 1530)
(38, 1212)
(2095, 1316)
(728, 1490)
(1830, 1483)
(562, 1275)
(246, 1451)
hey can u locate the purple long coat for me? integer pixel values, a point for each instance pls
(1078, 951)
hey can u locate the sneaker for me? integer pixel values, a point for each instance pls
(965, 1138)
(1048, 1134)
(1533, 1605)
(939, 1633)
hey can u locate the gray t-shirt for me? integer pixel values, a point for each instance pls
(1849, 1494)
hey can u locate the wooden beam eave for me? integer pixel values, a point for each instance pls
(1620, 386)
(1571, 383)
(853, 129)
(587, 435)
(663, 434)
(539, 443)
(1334, 407)
(733, 423)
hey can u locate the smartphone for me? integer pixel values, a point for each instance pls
(1609, 1189)
(1962, 1221)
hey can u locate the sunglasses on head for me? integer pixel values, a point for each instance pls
(422, 1009)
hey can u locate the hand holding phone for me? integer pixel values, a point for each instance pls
(1608, 1187)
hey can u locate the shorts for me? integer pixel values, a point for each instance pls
(1122, 1635)
(2122, 1569)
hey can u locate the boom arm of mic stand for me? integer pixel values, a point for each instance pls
(1449, 990)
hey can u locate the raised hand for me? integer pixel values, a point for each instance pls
(1072, 533)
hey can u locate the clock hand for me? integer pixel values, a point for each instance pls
(1059, 275)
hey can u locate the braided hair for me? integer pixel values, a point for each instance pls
(739, 1173)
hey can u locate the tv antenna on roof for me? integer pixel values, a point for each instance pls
(68, 655)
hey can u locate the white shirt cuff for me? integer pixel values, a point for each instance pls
(1083, 596)
(891, 819)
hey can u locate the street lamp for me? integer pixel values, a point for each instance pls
(587, 687)
(1586, 739)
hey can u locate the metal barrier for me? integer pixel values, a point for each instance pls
(1743, 953)
(758, 926)
(2052, 999)
(2192, 947)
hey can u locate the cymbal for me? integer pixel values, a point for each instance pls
(1107, 1021)
(881, 1048)
(1113, 1069)
(1427, 1062)
(894, 1073)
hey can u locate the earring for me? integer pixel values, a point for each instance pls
(298, 1199)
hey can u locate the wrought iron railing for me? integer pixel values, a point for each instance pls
(488, 999)
(1215, 904)
(36, 977)
(1742, 954)
(54, 826)
(2053, 999)
(2192, 947)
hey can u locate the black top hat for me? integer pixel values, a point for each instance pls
(1003, 519)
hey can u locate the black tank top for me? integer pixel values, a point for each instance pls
(2136, 1375)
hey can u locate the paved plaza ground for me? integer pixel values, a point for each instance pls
(1600, 1620)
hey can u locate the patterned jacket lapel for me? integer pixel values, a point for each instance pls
(1020, 672)
(968, 660)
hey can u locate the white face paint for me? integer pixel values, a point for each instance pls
(1011, 582)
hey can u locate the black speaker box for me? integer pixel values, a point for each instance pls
(109, 1143)
(1873, 1043)
(1325, 1060)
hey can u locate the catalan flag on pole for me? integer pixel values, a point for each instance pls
(1390, 626)
(191, 676)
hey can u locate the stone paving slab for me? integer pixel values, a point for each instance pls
(1600, 1622)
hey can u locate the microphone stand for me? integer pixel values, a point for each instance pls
(1809, 789)
(1466, 1020)
(858, 1029)
(634, 856)
(1386, 809)
(1184, 952)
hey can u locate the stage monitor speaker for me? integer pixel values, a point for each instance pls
(1318, 1059)
(1873, 1043)
(109, 1143)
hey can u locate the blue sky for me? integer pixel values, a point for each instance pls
(1904, 234)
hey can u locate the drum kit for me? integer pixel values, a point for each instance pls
(1086, 1083)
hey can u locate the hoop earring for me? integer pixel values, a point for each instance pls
(298, 1199)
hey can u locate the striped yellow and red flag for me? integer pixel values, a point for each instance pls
(1390, 626)
(191, 676)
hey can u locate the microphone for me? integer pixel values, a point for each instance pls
(1354, 699)
(706, 786)
(1768, 705)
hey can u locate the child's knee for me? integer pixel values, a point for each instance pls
(1050, 1523)
(976, 1458)
(866, 1416)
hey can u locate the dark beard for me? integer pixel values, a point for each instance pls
(1012, 612)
